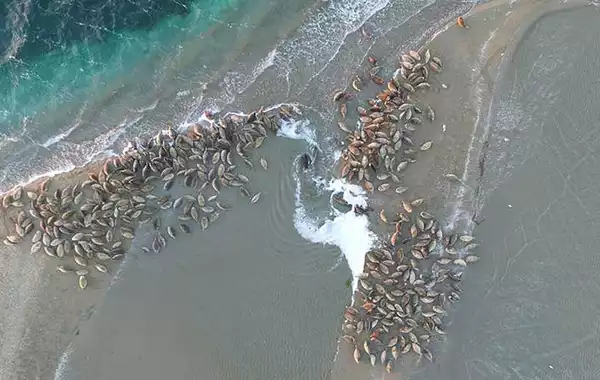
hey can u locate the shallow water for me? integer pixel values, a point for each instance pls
(135, 83)
(252, 297)
(244, 299)
(284, 297)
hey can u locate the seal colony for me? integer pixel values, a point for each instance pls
(408, 282)
(89, 225)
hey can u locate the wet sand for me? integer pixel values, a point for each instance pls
(529, 312)
(512, 303)
(133, 335)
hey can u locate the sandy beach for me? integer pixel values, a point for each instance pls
(251, 298)
(499, 309)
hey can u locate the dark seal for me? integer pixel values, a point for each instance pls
(305, 161)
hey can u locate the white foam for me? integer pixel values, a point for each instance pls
(349, 231)
(329, 27)
(35, 177)
(62, 366)
(54, 139)
(315, 45)
(17, 20)
(149, 107)
(70, 156)
(204, 121)
(236, 82)
(297, 130)
(260, 68)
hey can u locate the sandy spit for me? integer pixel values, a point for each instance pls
(473, 60)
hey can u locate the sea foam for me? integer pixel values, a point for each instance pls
(348, 231)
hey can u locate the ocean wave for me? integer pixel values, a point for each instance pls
(353, 19)
(65, 157)
(329, 26)
(17, 19)
(236, 82)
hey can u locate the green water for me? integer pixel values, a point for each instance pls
(50, 80)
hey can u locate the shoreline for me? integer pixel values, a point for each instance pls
(66, 178)
(474, 89)
(449, 43)
(42, 202)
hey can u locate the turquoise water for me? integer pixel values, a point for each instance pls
(88, 63)
(67, 99)
(90, 94)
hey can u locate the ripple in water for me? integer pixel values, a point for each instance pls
(301, 138)
(348, 231)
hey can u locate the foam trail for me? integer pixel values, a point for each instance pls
(95, 150)
(349, 231)
(54, 139)
(237, 82)
(460, 213)
(260, 68)
(146, 108)
(62, 363)
(33, 178)
(297, 130)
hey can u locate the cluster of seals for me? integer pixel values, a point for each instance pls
(383, 147)
(90, 224)
(405, 288)
(407, 283)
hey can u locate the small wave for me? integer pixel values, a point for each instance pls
(260, 68)
(6, 139)
(50, 173)
(348, 13)
(62, 366)
(149, 107)
(297, 130)
(330, 28)
(69, 156)
(107, 151)
(237, 82)
(17, 19)
(54, 139)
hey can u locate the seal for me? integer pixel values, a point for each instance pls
(358, 210)
(305, 161)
